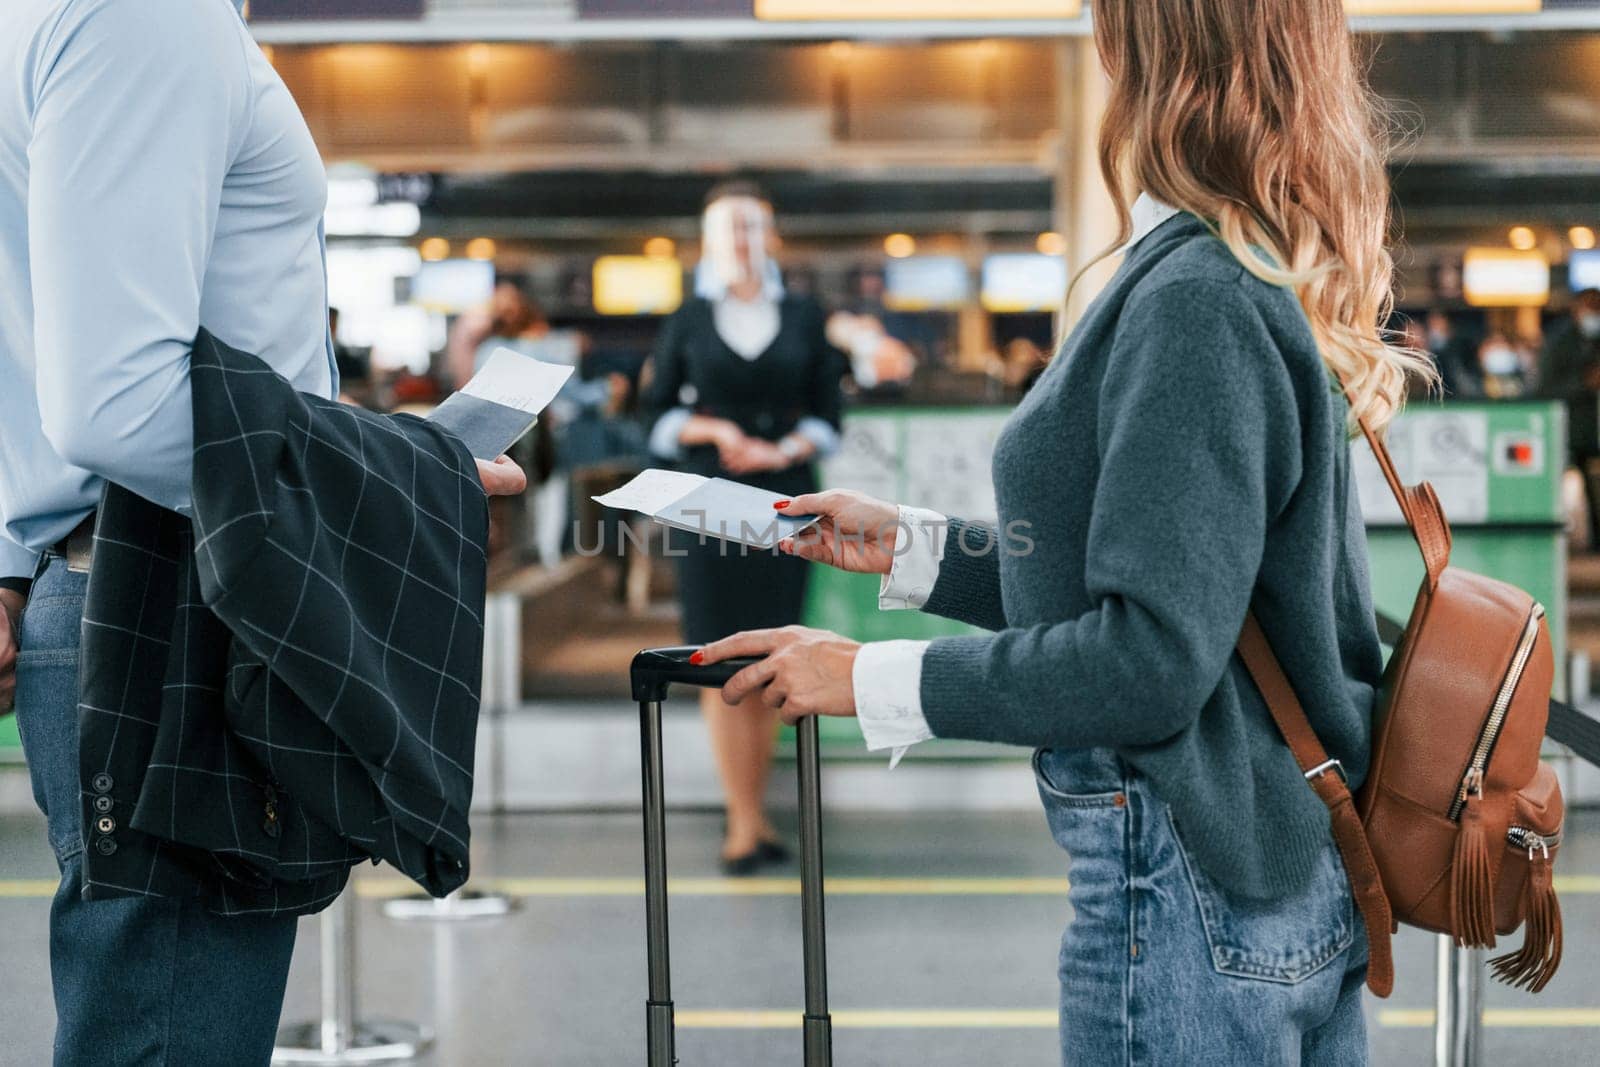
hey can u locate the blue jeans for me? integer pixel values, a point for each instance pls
(137, 980)
(1160, 966)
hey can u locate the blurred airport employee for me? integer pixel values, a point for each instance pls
(744, 385)
(155, 175)
(1182, 460)
(1569, 370)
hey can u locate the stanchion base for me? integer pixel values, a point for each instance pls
(456, 907)
(374, 1041)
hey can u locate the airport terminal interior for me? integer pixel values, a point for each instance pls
(533, 173)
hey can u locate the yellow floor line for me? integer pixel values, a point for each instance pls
(382, 887)
(1402, 1018)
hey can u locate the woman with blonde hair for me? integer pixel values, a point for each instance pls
(1183, 460)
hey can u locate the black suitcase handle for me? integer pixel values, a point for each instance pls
(654, 671)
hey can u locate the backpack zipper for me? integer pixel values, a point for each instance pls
(1472, 780)
(1531, 841)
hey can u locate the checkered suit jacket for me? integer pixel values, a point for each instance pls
(288, 684)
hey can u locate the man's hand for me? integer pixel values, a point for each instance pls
(502, 477)
(857, 532)
(802, 671)
(10, 612)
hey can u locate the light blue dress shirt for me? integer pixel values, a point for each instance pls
(155, 175)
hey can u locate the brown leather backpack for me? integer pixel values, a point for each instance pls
(1458, 821)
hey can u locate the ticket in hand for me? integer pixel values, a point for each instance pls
(711, 507)
(501, 402)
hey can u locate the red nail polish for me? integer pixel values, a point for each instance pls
(697, 658)
(780, 504)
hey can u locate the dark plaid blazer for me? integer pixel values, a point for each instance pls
(288, 684)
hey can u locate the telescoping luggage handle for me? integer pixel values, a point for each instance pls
(654, 671)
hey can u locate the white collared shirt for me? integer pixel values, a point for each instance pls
(887, 677)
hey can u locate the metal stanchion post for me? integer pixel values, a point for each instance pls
(1458, 1019)
(339, 1037)
(502, 690)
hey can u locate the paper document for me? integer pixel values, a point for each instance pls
(712, 507)
(501, 402)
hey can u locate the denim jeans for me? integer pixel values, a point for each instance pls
(1160, 966)
(137, 980)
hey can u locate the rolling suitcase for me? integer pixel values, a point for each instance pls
(654, 671)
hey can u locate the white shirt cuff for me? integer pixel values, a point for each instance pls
(887, 679)
(918, 549)
(665, 433)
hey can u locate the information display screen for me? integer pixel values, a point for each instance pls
(1025, 281)
(637, 285)
(1583, 271)
(453, 285)
(924, 283)
(1504, 278)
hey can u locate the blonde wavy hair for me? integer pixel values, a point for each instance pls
(1255, 116)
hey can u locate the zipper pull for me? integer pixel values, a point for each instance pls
(1471, 786)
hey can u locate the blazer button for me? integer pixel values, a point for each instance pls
(102, 804)
(106, 824)
(105, 846)
(101, 782)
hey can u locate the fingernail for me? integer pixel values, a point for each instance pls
(697, 658)
(780, 504)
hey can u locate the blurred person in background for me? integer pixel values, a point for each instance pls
(743, 384)
(1569, 371)
(1502, 367)
(516, 322)
(1181, 467)
(1454, 355)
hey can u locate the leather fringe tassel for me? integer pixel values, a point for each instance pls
(1472, 882)
(1532, 966)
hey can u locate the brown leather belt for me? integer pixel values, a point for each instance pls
(77, 548)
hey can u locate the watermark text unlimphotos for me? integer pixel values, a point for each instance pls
(1014, 541)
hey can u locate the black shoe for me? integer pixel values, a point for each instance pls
(743, 866)
(774, 852)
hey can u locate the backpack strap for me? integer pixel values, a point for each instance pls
(1419, 505)
(1334, 790)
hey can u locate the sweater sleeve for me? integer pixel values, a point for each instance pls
(1199, 441)
(968, 588)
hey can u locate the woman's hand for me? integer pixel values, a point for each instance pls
(802, 671)
(502, 477)
(857, 532)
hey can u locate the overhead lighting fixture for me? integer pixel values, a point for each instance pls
(1581, 238)
(660, 248)
(434, 249)
(481, 248)
(1523, 239)
(1052, 244)
(899, 245)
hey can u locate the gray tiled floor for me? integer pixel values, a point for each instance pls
(560, 981)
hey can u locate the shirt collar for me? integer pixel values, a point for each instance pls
(1148, 215)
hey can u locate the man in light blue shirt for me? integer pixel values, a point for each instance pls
(155, 176)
